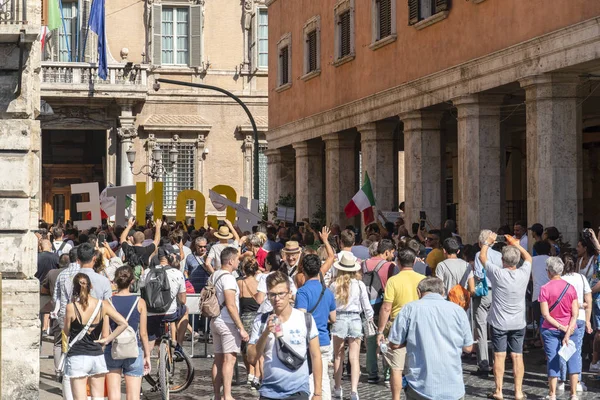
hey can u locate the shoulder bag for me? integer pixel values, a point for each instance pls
(126, 344)
(369, 328)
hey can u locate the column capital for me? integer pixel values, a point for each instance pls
(307, 149)
(478, 105)
(337, 140)
(553, 85)
(368, 127)
(126, 133)
(421, 120)
(382, 131)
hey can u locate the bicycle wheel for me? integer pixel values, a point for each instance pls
(182, 372)
(164, 366)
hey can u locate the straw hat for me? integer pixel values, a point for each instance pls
(223, 233)
(291, 247)
(347, 263)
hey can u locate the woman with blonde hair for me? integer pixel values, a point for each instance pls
(352, 299)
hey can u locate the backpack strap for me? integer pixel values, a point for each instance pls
(215, 286)
(62, 245)
(380, 265)
(364, 267)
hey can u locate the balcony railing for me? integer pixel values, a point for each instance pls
(13, 11)
(86, 74)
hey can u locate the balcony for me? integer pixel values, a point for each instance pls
(76, 79)
(14, 23)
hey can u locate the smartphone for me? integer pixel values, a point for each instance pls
(101, 239)
(422, 224)
(500, 239)
(300, 224)
(422, 215)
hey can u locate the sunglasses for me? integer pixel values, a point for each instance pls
(273, 295)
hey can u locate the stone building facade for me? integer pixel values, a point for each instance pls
(94, 123)
(482, 111)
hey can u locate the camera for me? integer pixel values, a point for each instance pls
(586, 235)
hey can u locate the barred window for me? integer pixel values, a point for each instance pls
(180, 177)
(345, 32)
(263, 177)
(384, 18)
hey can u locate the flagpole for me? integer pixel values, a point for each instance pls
(62, 17)
(77, 32)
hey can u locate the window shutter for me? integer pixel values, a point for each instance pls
(344, 33)
(252, 45)
(441, 5)
(284, 65)
(156, 34)
(413, 11)
(44, 12)
(312, 50)
(385, 18)
(195, 36)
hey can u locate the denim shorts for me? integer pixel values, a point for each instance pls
(129, 366)
(347, 325)
(84, 366)
(511, 340)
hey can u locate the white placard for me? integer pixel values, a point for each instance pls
(92, 206)
(286, 214)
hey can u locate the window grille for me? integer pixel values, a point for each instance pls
(263, 176)
(311, 38)
(284, 62)
(344, 21)
(180, 177)
(384, 10)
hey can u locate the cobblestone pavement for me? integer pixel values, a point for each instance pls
(477, 387)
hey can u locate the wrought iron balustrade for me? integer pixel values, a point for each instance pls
(13, 12)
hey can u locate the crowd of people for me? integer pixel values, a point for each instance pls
(297, 300)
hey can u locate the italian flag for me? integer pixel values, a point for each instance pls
(363, 201)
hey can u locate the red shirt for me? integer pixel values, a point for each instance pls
(386, 271)
(261, 255)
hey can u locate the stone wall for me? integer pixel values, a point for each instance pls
(19, 206)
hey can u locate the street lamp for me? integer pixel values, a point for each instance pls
(155, 169)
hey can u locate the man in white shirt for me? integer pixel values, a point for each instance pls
(227, 329)
(453, 270)
(224, 234)
(520, 230)
(60, 246)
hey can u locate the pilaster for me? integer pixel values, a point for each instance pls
(309, 178)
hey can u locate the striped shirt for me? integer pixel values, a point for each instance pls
(63, 289)
(434, 331)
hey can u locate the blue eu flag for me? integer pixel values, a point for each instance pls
(97, 25)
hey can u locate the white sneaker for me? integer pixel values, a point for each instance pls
(560, 387)
(595, 367)
(581, 387)
(338, 393)
(354, 396)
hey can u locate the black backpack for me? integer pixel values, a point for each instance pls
(156, 290)
(373, 282)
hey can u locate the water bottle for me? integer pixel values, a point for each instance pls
(383, 347)
(278, 327)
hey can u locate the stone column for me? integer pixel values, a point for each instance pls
(309, 178)
(281, 174)
(20, 160)
(340, 176)
(479, 165)
(377, 149)
(127, 132)
(422, 166)
(552, 189)
(200, 146)
(248, 148)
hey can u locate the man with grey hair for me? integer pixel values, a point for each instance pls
(507, 313)
(426, 321)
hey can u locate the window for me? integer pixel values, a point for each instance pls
(430, 10)
(181, 176)
(344, 31)
(263, 38)
(284, 73)
(175, 35)
(68, 33)
(312, 48)
(383, 23)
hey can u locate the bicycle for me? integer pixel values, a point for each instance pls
(175, 371)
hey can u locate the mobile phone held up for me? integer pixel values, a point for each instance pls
(101, 239)
(423, 218)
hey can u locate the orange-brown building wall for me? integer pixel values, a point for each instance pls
(470, 31)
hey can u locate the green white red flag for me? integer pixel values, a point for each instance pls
(362, 202)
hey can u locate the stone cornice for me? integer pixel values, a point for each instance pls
(569, 46)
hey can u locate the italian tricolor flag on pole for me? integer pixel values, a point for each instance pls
(363, 201)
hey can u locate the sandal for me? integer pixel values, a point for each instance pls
(494, 397)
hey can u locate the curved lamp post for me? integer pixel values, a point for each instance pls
(240, 102)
